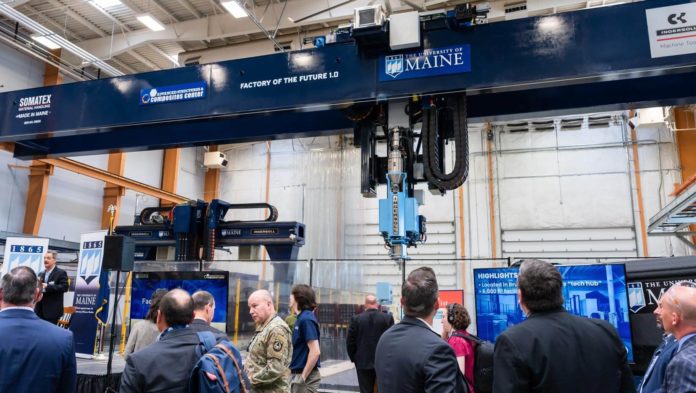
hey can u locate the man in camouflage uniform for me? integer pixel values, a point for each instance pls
(271, 348)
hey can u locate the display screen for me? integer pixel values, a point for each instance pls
(593, 291)
(145, 284)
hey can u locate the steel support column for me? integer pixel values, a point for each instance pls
(37, 190)
(113, 192)
(105, 176)
(211, 187)
(36, 196)
(170, 172)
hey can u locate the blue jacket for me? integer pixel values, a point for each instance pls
(680, 376)
(653, 378)
(35, 355)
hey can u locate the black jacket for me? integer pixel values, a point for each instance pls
(50, 307)
(199, 325)
(164, 366)
(560, 352)
(363, 334)
(411, 358)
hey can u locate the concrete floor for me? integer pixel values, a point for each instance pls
(336, 376)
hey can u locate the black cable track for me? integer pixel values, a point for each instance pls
(447, 112)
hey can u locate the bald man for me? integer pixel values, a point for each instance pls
(270, 350)
(678, 317)
(363, 335)
(166, 365)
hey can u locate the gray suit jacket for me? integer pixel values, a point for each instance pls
(680, 376)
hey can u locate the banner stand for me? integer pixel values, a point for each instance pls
(90, 288)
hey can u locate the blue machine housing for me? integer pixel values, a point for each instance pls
(200, 226)
(282, 240)
(182, 232)
(402, 226)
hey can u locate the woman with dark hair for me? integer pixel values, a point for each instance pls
(145, 332)
(305, 364)
(454, 324)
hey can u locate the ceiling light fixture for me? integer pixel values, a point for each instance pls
(234, 8)
(105, 3)
(150, 21)
(41, 30)
(45, 41)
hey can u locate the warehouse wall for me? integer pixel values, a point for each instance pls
(74, 202)
(557, 193)
(17, 71)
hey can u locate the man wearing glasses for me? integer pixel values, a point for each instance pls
(678, 316)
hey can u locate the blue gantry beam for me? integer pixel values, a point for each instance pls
(595, 59)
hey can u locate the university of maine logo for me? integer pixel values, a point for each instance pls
(90, 265)
(394, 65)
(636, 296)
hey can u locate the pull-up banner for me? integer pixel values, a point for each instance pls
(24, 251)
(87, 299)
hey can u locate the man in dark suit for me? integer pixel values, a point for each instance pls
(679, 318)
(361, 342)
(166, 365)
(35, 355)
(554, 351)
(203, 312)
(54, 283)
(411, 357)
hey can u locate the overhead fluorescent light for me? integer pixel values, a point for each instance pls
(150, 21)
(234, 8)
(41, 30)
(45, 42)
(106, 3)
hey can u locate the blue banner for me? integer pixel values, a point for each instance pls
(145, 284)
(174, 93)
(90, 292)
(428, 62)
(593, 291)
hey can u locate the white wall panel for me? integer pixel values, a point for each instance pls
(191, 173)
(145, 167)
(14, 196)
(585, 183)
(73, 205)
(18, 71)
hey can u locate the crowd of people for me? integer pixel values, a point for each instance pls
(550, 351)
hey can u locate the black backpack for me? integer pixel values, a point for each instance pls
(483, 363)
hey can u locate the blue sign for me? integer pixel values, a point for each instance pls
(145, 284)
(31, 249)
(428, 62)
(174, 93)
(593, 291)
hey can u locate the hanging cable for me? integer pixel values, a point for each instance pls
(446, 118)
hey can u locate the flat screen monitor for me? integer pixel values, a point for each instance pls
(593, 291)
(145, 284)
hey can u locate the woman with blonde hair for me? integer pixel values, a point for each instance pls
(145, 332)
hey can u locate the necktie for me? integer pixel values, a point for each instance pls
(656, 356)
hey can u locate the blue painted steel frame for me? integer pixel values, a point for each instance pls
(591, 59)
